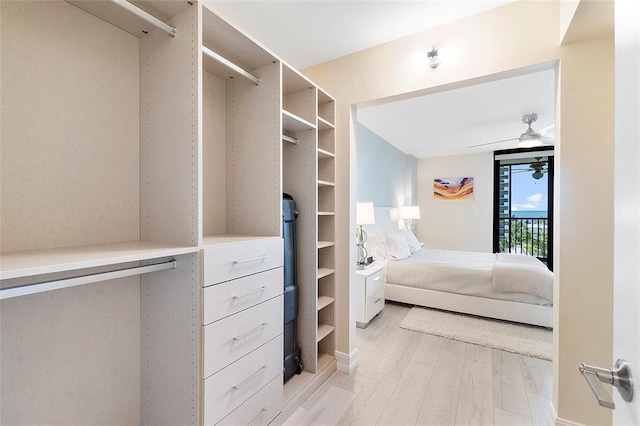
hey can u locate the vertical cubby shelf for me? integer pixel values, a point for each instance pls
(325, 186)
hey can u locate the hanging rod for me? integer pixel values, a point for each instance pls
(290, 139)
(8, 293)
(224, 61)
(146, 16)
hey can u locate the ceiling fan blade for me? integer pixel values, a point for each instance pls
(548, 141)
(550, 128)
(491, 143)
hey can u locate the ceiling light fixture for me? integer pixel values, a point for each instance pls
(434, 59)
(530, 138)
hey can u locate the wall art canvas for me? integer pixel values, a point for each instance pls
(454, 189)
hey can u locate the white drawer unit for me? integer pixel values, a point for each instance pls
(224, 299)
(370, 293)
(260, 409)
(232, 386)
(235, 336)
(242, 341)
(226, 262)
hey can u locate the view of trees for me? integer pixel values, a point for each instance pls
(526, 236)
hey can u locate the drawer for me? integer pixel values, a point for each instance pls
(261, 408)
(229, 261)
(375, 283)
(235, 336)
(222, 300)
(374, 305)
(229, 388)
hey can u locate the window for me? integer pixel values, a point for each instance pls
(523, 203)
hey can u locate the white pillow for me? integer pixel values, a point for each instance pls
(412, 241)
(397, 246)
(376, 246)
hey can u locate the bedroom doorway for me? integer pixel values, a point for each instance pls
(523, 203)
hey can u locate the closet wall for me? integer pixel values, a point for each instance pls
(123, 148)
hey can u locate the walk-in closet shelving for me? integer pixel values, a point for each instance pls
(126, 147)
(99, 172)
(325, 157)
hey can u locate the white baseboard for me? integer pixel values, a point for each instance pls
(560, 421)
(347, 362)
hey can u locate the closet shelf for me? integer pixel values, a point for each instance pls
(325, 183)
(325, 244)
(326, 213)
(324, 124)
(125, 20)
(324, 301)
(292, 123)
(323, 331)
(323, 272)
(36, 262)
(325, 154)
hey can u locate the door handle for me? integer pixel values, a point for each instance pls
(619, 376)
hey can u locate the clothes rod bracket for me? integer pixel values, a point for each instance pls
(224, 61)
(24, 290)
(146, 16)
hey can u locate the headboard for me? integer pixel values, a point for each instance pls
(384, 221)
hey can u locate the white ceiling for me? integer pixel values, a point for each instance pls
(447, 123)
(308, 32)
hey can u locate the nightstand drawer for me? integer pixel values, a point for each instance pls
(229, 388)
(229, 261)
(374, 305)
(374, 283)
(235, 336)
(222, 300)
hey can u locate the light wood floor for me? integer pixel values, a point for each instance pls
(409, 378)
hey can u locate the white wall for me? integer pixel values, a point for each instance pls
(457, 225)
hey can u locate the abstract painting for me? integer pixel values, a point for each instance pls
(455, 189)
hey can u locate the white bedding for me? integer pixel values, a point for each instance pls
(473, 274)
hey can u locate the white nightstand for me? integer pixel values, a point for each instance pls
(370, 293)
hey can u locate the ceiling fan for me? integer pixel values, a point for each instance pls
(538, 167)
(530, 138)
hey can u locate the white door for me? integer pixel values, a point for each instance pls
(626, 335)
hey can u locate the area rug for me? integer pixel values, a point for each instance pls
(529, 340)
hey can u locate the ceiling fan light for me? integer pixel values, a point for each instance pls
(537, 175)
(528, 140)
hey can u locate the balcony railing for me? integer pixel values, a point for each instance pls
(524, 236)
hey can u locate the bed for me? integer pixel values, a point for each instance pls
(504, 286)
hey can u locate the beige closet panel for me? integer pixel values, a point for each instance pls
(214, 155)
(169, 93)
(70, 153)
(72, 356)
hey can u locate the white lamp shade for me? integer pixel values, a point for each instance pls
(409, 212)
(364, 214)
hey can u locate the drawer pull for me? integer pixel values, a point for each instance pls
(253, 376)
(376, 279)
(258, 417)
(250, 332)
(250, 259)
(377, 300)
(249, 293)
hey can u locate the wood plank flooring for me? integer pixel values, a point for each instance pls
(409, 378)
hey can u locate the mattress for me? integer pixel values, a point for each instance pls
(459, 272)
